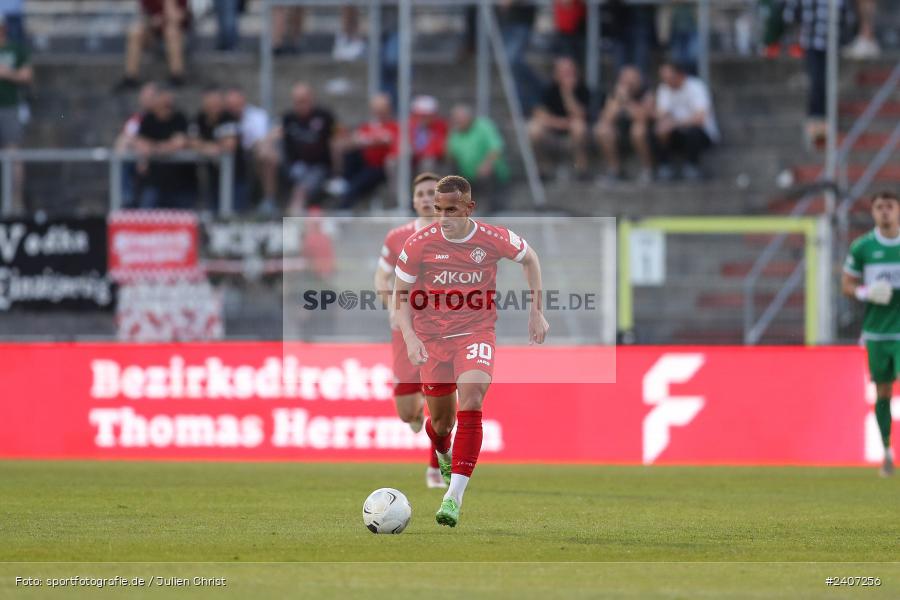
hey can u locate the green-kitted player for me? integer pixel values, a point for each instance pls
(871, 273)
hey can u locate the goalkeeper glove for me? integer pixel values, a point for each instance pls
(879, 292)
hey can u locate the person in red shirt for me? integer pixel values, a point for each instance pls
(165, 19)
(408, 387)
(444, 294)
(366, 152)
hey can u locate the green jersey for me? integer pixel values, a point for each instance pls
(874, 257)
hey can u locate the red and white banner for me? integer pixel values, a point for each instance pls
(237, 401)
(148, 243)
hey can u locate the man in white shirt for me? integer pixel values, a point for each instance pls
(685, 123)
(254, 123)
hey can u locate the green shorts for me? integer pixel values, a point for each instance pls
(884, 360)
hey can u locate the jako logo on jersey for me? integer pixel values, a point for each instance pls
(441, 256)
(478, 255)
(447, 277)
(670, 411)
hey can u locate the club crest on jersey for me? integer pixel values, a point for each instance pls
(478, 255)
(403, 256)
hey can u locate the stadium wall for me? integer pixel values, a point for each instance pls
(249, 401)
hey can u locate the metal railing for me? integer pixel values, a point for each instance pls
(115, 161)
(753, 331)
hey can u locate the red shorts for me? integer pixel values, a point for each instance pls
(448, 358)
(406, 374)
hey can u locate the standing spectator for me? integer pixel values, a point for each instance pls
(306, 135)
(390, 52)
(168, 20)
(569, 17)
(227, 18)
(685, 123)
(475, 150)
(684, 40)
(562, 117)
(163, 132)
(633, 32)
(367, 151)
(812, 16)
(516, 20)
(13, 14)
(253, 123)
(287, 28)
(866, 44)
(126, 142)
(216, 132)
(627, 117)
(15, 74)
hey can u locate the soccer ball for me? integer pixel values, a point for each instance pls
(386, 510)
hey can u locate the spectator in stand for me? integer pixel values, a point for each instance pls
(253, 124)
(516, 20)
(126, 142)
(626, 118)
(812, 17)
(13, 13)
(427, 135)
(348, 43)
(306, 135)
(216, 132)
(366, 152)
(287, 28)
(475, 151)
(685, 123)
(683, 40)
(227, 19)
(163, 133)
(570, 17)
(865, 45)
(561, 120)
(168, 20)
(633, 33)
(15, 75)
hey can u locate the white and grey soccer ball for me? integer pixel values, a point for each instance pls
(386, 510)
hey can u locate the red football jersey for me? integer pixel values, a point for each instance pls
(393, 244)
(456, 280)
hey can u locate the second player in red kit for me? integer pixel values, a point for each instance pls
(444, 294)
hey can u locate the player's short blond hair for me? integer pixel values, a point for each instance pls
(454, 184)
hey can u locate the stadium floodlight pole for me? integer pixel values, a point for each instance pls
(592, 47)
(374, 48)
(483, 61)
(404, 81)
(115, 181)
(226, 184)
(265, 56)
(703, 28)
(831, 102)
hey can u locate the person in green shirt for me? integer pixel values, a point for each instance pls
(475, 150)
(871, 274)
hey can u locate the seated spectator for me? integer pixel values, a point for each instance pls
(561, 119)
(427, 136)
(632, 31)
(865, 45)
(163, 132)
(475, 151)
(348, 43)
(253, 123)
(306, 136)
(287, 28)
(13, 14)
(216, 132)
(167, 20)
(685, 124)
(625, 119)
(126, 142)
(227, 19)
(366, 152)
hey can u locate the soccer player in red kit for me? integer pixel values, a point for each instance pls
(407, 387)
(444, 294)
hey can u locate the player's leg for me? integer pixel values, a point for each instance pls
(441, 400)
(882, 369)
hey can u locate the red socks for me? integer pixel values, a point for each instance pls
(467, 443)
(434, 463)
(439, 443)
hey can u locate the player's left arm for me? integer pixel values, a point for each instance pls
(537, 324)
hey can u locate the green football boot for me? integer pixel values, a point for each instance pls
(445, 467)
(448, 513)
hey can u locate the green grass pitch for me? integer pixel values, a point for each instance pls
(295, 530)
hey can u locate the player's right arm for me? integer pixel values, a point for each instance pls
(415, 349)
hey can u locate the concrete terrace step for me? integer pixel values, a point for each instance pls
(740, 269)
